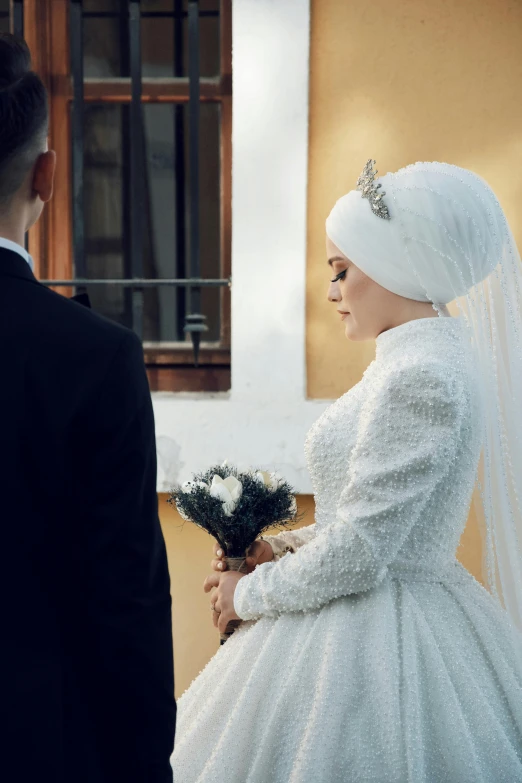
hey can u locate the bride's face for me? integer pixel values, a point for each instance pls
(363, 305)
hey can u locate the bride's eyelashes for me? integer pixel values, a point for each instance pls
(340, 276)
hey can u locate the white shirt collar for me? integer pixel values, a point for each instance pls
(16, 248)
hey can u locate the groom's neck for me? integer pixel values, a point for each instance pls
(13, 230)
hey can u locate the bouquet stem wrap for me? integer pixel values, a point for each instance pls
(233, 564)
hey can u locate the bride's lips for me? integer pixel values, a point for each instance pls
(343, 314)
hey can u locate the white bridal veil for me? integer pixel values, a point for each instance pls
(437, 233)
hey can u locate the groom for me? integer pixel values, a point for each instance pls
(86, 666)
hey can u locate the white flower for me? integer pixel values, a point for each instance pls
(190, 486)
(228, 491)
(270, 480)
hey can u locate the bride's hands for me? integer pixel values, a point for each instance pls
(222, 603)
(259, 552)
(224, 582)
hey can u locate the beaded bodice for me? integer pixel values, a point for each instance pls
(393, 464)
(440, 345)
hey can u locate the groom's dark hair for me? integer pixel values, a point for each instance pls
(24, 115)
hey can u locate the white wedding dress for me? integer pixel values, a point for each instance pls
(370, 655)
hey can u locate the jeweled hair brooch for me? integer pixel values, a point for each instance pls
(366, 184)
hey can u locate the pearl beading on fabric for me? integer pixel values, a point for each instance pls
(381, 491)
(412, 673)
(479, 309)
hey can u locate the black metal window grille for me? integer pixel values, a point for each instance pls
(136, 283)
(5, 16)
(12, 17)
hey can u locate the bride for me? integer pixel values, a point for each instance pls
(368, 654)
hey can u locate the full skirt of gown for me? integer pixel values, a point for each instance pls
(410, 682)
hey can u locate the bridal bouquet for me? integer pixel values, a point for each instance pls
(235, 508)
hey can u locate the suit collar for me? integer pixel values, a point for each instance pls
(12, 264)
(8, 244)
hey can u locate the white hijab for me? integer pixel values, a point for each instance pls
(433, 207)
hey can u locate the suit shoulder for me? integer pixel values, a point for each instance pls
(74, 324)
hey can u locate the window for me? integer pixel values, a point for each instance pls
(127, 203)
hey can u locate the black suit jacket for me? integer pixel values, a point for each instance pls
(86, 667)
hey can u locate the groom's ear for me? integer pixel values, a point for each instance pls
(43, 175)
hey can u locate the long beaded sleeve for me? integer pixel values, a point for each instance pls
(406, 441)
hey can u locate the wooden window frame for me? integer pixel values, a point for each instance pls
(46, 30)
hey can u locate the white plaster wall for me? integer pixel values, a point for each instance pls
(264, 419)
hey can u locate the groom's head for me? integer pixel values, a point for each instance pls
(26, 164)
